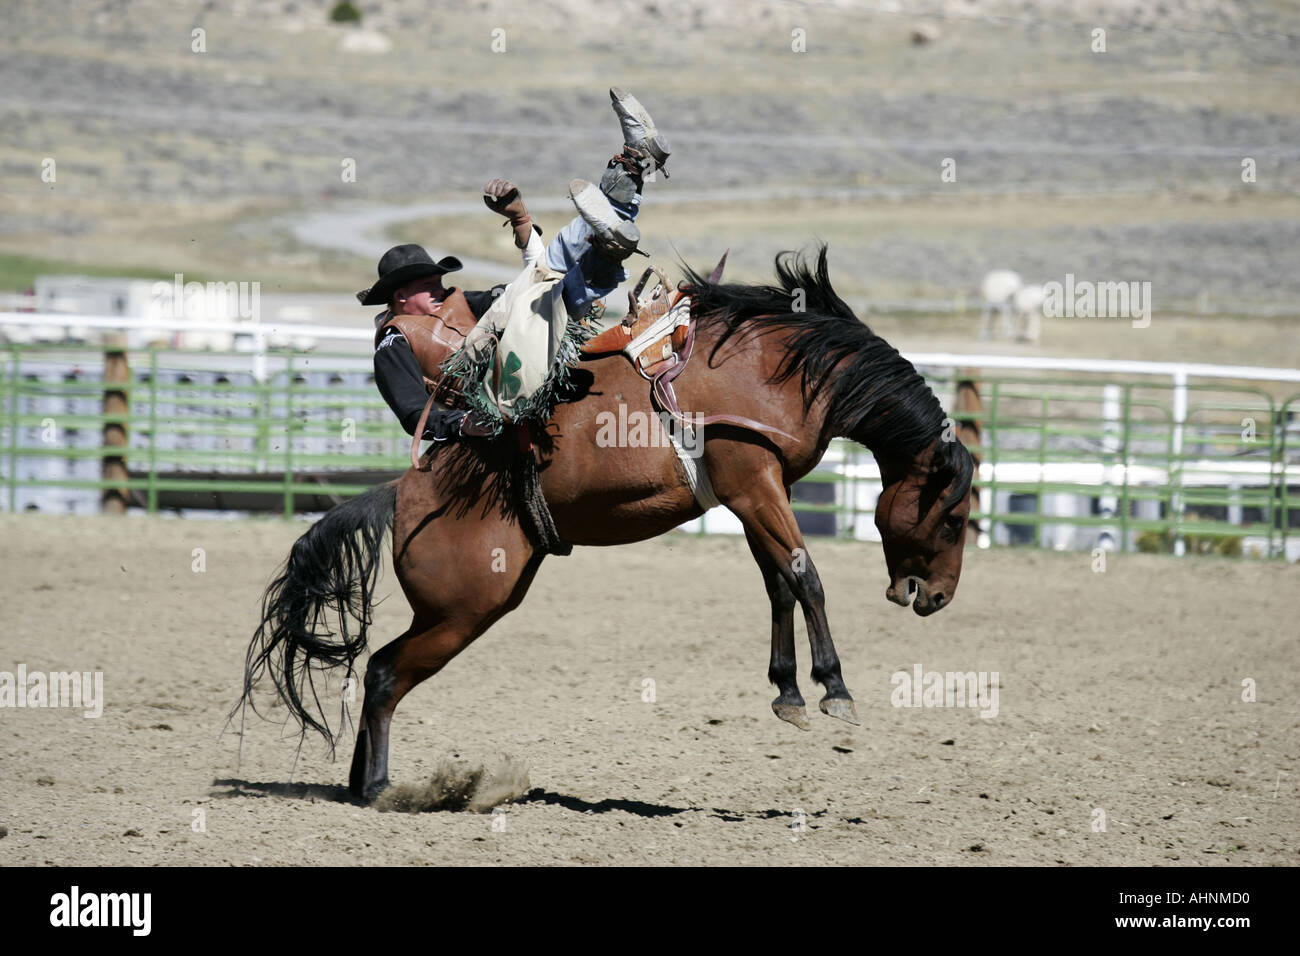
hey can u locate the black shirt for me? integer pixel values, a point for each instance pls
(400, 381)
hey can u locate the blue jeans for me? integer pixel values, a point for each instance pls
(589, 276)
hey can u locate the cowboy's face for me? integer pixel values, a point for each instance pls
(420, 297)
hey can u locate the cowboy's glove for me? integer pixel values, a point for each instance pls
(502, 197)
(472, 427)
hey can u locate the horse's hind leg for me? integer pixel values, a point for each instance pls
(460, 574)
(392, 672)
(421, 652)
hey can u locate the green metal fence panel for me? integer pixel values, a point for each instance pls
(1223, 472)
(179, 429)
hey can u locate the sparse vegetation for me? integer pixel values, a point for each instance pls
(18, 273)
(345, 12)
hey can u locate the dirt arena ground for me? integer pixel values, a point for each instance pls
(1120, 693)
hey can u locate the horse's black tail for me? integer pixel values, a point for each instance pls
(329, 577)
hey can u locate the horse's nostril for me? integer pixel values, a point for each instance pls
(938, 599)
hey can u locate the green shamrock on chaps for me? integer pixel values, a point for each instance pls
(510, 382)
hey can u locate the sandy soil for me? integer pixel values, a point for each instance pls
(1119, 692)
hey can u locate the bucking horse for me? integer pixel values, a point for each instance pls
(791, 355)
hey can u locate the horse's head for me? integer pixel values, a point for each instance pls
(922, 516)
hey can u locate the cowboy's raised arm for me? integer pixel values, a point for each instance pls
(503, 198)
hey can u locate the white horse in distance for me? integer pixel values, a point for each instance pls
(1019, 304)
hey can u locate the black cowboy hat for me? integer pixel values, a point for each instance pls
(401, 265)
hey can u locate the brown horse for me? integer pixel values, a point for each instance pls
(792, 355)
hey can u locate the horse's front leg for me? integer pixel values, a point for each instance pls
(782, 669)
(761, 505)
(838, 702)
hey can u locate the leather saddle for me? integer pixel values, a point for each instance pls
(658, 335)
(655, 330)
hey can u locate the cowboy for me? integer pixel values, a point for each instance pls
(590, 251)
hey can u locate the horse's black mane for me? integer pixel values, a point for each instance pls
(877, 397)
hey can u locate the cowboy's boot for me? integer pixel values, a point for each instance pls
(503, 198)
(614, 238)
(642, 140)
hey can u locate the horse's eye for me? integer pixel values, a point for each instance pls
(952, 526)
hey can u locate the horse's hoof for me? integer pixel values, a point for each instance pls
(367, 792)
(360, 761)
(842, 709)
(370, 793)
(792, 714)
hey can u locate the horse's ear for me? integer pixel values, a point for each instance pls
(948, 464)
(942, 471)
(716, 275)
(941, 462)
